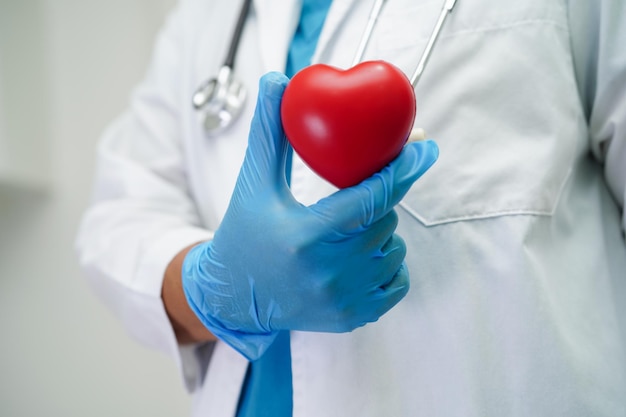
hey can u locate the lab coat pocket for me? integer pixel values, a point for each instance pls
(499, 97)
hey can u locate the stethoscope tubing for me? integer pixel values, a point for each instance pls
(234, 43)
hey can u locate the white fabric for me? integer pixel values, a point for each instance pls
(515, 237)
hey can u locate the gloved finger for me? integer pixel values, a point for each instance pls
(394, 248)
(358, 207)
(374, 239)
(386, 297)
(266, 156)
(383, 267)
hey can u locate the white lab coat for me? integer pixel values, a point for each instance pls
(515, 237)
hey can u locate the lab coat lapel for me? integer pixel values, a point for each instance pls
(277, 23)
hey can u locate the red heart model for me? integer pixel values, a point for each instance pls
(348, 125)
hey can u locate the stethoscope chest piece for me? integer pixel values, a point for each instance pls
(220, 100)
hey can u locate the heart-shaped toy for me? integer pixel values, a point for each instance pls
(346, 125)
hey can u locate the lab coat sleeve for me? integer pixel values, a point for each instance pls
(598, 33)
(141, 214)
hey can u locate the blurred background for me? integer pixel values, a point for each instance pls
(66, 70)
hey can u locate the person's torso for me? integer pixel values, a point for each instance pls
(510, 235)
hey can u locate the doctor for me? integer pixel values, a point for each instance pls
(513, 242)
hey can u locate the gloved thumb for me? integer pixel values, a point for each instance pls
(364, 204)
(264, 164)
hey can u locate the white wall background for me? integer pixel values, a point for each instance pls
(66, 69)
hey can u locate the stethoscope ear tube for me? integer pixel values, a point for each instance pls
(369, 28)
(417, 74)
(371, 23)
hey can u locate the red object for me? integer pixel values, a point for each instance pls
(348, 125)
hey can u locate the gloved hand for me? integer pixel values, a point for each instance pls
(275, 264)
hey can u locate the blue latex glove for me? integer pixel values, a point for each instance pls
(275, 264)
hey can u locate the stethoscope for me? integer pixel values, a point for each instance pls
(221, 99)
